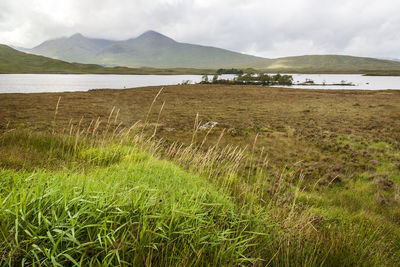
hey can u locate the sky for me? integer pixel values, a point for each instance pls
(259, 27)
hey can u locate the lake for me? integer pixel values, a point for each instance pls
(359, 81)
(35, 83)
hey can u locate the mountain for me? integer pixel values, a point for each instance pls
(150, 49)
(156, 50)
(13, 61)
(76, 48)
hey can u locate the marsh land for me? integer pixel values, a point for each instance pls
(201, 174)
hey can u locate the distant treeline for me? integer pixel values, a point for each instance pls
(229, 71)
(252, 79)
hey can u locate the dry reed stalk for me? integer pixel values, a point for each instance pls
(80, 122)
(88, 128)
(151, 106)
(178, 150)
(115, 130)
(171, 149)
(205, 137)
(261, 154)
(232, 153)
(96, 126)
(266, 162)
(146, 143)
(55, 114)
(71, 129)
(109, 116)
(117, 149)
(116, 116)
(76, 139)
(130, 129)
(79, 125)
(225, 151)
(158, 145)
(262, 160)
(108, 125)
(135, 141)
(158, 119)
(239, 156)
(183, 153)
(250, 158)
(220, 137)
(195, 127)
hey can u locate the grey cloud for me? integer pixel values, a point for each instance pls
(261, 27)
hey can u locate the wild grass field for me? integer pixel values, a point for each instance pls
(130, 177)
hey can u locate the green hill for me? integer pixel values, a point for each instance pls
(332, 63)
(13, 61)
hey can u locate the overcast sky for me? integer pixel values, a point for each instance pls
(259, 27)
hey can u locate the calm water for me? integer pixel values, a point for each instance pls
(360, 82)
(35, 83)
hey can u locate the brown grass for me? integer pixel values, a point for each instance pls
(293, 127)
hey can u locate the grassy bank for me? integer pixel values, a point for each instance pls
(287, 177)
(112, 205)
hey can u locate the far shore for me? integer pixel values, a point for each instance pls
(197, 71)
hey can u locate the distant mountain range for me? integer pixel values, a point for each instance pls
(152, 49)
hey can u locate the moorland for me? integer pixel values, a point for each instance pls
(201, 174)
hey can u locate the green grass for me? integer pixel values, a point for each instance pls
(114, 201)
(112, 210)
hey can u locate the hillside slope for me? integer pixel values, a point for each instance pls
(13, 61)
(332, 63)
(151, 49)
(76, 48)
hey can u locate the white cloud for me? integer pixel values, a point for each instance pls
(262, 27)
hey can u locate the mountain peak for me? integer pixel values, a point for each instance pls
(77, 36)
(153, 36)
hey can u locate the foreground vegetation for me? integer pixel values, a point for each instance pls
(275, 182)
